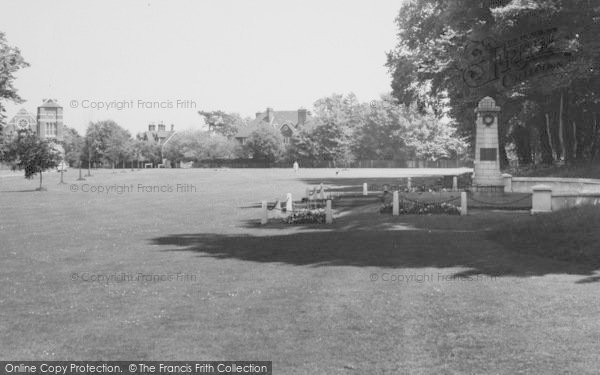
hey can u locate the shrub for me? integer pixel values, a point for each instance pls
(306, 216)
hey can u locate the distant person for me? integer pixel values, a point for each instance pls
(296, 167)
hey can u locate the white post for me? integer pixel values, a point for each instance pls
(409, 183)
(365, 190)
(322, 193)
(455, 183)
(541, 199)
(507, 182)
(463, 203)
(265, 213)
(328, 213)
(395, 204)
(289, 203)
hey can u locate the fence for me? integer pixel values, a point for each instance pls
(254, 163)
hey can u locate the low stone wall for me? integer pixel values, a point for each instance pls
(525, 184)
(553, 193)
(560, 201)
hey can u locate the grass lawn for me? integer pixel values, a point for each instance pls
(370, 294)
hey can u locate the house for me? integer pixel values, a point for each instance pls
(286, 122)
(157, 133)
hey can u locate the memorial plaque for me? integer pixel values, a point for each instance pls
(487, 154)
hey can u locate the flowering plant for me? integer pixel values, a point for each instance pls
(416, 208)
(306, 216)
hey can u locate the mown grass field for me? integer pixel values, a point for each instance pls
(493, 292)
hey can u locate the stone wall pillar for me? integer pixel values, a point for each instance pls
(542, 199)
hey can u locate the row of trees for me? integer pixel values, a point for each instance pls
(382, 130)
(539, 60)
(343, 130)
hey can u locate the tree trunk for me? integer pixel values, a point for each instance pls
(594, 137)
(561, 137)
(40, 180)
(574, 141)
(552, 150)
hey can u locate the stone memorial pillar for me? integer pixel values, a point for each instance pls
(487, 155)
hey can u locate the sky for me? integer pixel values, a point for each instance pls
(138, 62)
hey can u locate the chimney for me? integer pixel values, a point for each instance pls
(172, 127)
(301, 116)
(161, 127)
(151, 127)
(257, 114)
(270, 114)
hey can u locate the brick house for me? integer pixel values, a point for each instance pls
(286, 122)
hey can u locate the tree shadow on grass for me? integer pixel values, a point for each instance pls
(359, 244)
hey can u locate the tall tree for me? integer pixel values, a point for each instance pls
(106, 141)
(223, 123)
(73, 144)
(264, 143)
(450, 54)
(10, 62)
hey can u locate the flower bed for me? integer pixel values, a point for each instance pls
(410, 208)
(306, 216)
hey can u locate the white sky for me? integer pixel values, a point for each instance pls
(233, 55)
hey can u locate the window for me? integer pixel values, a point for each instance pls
(51, 129)
(286, 140)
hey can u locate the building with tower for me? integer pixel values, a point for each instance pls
(47, 124)
(50, 120)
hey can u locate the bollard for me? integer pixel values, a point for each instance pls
(409, 183)
(307, 194)
(365, 190)
(328, 213)
(463, 203)
(265, 213)
(395, 204)
(322, 192)
(289, 203)
(455, 183)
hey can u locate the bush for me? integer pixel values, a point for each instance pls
(306, 216)
(413, 208)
